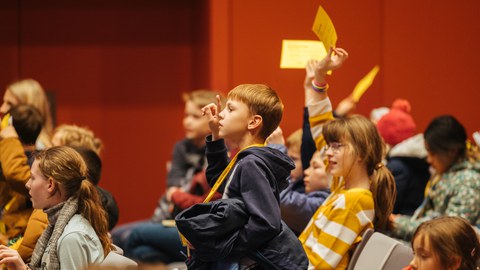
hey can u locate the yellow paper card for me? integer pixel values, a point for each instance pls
(296, 53)
(324, 29)
(364, 84)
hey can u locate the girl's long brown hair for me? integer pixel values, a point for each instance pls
(363, 136)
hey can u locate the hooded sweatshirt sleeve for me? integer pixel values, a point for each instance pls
(262, 205)
(217, 158)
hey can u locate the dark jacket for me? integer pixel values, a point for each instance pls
(110, 205)
(257, 178)
(212, 228)
(407, 162)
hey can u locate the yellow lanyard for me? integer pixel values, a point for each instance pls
(217, 184)
(225, 172)
(432, 183)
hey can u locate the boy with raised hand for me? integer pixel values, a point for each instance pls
(256, 175)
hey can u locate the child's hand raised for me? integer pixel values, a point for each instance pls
(212, 112)
(334, 60)
(276, 137)
(309, 73)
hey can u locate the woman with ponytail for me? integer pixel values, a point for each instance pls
(77, 234)
(363, 190)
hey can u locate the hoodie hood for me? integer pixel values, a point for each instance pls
(411, 147)
(278, 162)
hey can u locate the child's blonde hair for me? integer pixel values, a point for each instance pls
(294, 141)
(451, 238)
(30, 92)
(73, 135)
(261, 100)
(367, 144)
(203, 97)
(67, 167)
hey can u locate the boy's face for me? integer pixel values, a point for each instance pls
(315, 176)
(195, 126)
(234, 120)
(296, 173)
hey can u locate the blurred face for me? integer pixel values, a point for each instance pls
(441, 162)
(315, 176)
(9, 100)
(424, 257)
(234, 120)
(339, 161)
(297, 172)
(195, 126)
(39, 188)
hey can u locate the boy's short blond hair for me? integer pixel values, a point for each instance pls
(75, 136)
(203, 97)
(294, 141)
(261, 100)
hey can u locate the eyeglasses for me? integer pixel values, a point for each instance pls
(335, 147)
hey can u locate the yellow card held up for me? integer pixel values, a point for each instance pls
(324, 29)
(296, 53)
(364, 84)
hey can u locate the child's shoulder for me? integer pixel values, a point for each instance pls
(359, 197)
(266, 155)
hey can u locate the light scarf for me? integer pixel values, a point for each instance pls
(58, 218)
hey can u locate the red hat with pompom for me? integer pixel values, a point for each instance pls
(398, 124)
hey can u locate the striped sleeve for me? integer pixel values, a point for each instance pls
(335, 229)
(320, 112)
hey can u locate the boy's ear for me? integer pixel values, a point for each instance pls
(255, 122)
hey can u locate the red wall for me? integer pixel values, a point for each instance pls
(119, 67)
(427, 51)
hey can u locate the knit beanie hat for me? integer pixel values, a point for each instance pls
(398, 124)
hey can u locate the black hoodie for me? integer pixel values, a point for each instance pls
(257, 178)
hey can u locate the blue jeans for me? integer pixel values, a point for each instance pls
(153, 243)
(121, 233)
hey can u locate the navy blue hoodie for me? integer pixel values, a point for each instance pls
(257, 178)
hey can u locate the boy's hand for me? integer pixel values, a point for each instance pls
(346, 106)
(276, 137)
(170, 192)
(8, 132)
(211, 111)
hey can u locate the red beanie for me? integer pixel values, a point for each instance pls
(398, 124)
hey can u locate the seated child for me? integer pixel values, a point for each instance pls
(445, 243)
(17, 143)
(297, 206)
(188, 158)
(255, 177)
(406, 158)
(454, 189)
(77, 233)
(363, 190)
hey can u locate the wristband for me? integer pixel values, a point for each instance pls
(319, 88)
